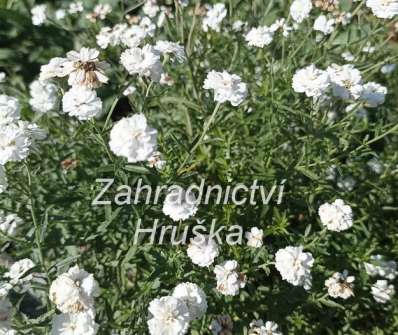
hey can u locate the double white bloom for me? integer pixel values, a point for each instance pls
(311, 81)
(336, 216)
(143, 61)
(202, 250)
(172, 314)
(294, 265)
(179, 204)
(133, 139)
(227, 87)
(382, 292)
(44, 96)
(229, 279)
(74, 291)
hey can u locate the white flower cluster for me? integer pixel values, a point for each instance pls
(263, 35)
(73, 293)
(295, 265)
(384, 9)
(172, 314)
(17, 137)
(85, 72)
(336, 216)
(214, 17)
(343, 81)
(378, 266)
(340, 285)
(229, 279)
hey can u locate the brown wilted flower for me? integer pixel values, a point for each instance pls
(327, 5)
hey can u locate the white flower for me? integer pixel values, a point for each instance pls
(179, 204)
(165, 79)
(76, 7)
(9, 109)
(81, 102)
(340, 285)
(324, 25)
(33, 131)
(39, 15)
(229, 279)
(3, 179)
(150, 8)
(74, 291)
(384, 9)
(74, 324)
(14, 143)
(238, 25)
(375, 165)
(227, 87)
(156, 161)
(17, 271)
(2, 77)
(378, 266)
(114, 36)
(133, 36)
(368, 48)
(311, 81)
(100, 12)
(346, 80)
(129, 90)
(194, 298)
(348, 56)
(294, 265)
(44, 96)
(373, 94)
(84, 68)
(60, 14)
(336, 216)
(382, 292)
(173, 48)
(57, 67)
(259, 37)
(214, 16)
(9, 223)
(388, 68)
(132, 138)
(168, 315)
(202, 250)
(144, 62)
(300, 10)
(255, 237)
(257, 327)
(280, 24)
